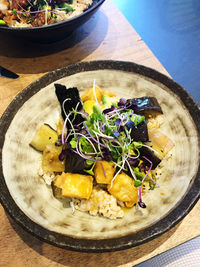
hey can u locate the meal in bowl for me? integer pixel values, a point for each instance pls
(105, 153)
(34, 13)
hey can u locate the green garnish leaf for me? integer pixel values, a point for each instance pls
(90, 172)
(89, 162)
(137, 119)
(106, 100)
(137, 145)
(23, 15)
(151, 185)
(30, 20)
(14, 11)
(44, 6)
(97, 115)
(73, 142)
(66, 6)
(137, 183)
(85, 145)
(138, 174)
(2, 22)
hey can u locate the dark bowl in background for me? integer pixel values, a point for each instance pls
(54, 32)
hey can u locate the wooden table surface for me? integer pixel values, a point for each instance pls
(107, 35)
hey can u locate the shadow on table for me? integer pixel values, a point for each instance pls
(74, 259)
(22, 56)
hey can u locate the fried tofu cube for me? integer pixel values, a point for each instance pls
(123, 189)
(74, 185)
(104, 172)
(50, 159)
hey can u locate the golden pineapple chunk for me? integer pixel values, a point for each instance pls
(89, 95)
(104, 172)
(109, 93)
(44, 136)
(88, 106)
(123, 189)
(74, 185)
(50, 159)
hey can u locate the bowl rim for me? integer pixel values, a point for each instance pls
(54, 25)
(105, 245)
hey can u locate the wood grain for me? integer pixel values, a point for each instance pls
(106, 36)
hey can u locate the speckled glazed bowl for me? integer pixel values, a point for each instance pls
(53, 32)
(29, 200)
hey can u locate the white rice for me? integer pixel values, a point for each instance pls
(47, 176)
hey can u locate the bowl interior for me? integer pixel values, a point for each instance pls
(34, 198)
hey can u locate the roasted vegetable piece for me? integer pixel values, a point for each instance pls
(140, 132)
(123, 188)
(104, 172)
(151, 155)
(145, 105)
(160, 142)
(74, 185)
(50, 159)
(44, 136)
(74, 162)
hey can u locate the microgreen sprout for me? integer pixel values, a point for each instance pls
(64, 127)
(94, 92)
(107, 134)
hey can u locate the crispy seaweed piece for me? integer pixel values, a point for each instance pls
(150, 154)
(69, 99)
(145, 105)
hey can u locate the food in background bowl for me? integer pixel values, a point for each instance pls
(103, 155)
(34, 13)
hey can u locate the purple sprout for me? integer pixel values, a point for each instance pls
(122, 102)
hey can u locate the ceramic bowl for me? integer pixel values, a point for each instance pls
(54, 32)
(27, 198)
